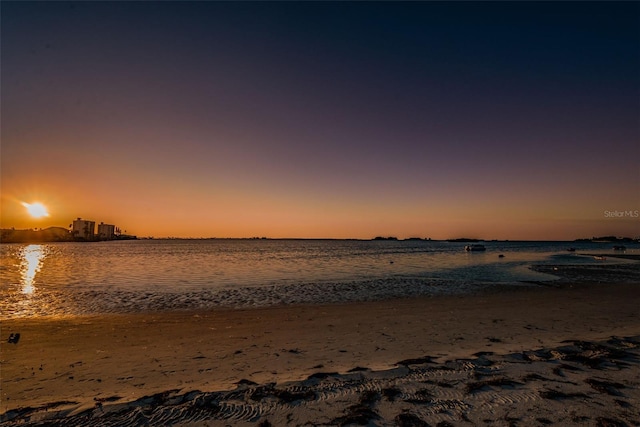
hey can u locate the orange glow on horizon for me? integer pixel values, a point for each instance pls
(243, 217)
(169, 212)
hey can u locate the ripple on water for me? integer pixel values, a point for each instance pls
(56, 302)
(115, 277)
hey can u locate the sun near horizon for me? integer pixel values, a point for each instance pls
(36, 209)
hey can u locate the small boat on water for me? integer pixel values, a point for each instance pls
(571, 249)
(474, 248)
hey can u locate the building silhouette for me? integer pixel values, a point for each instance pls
(106, 231)
(83, 229)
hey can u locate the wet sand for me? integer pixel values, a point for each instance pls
(523, 356)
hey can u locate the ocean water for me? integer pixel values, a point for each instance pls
(67, 279)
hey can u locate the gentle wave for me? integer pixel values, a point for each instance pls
(60, 303)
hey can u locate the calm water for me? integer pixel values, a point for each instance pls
(154, 275)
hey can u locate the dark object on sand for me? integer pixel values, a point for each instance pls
(501, 256)
(14, 338)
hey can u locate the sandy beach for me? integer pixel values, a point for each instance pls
(531, 355)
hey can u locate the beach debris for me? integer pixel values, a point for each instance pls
(501, 256)
(14, 338)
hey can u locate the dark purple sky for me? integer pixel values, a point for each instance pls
(497, 120)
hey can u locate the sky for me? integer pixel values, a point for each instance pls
(505, 120)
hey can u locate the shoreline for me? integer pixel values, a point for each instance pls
(88, 360)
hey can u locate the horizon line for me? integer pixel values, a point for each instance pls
(603, 238)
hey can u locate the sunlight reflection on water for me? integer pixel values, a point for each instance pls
(32, 258)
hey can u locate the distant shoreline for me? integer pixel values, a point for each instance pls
(61, 234)
(50, 235)
(318, 239)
